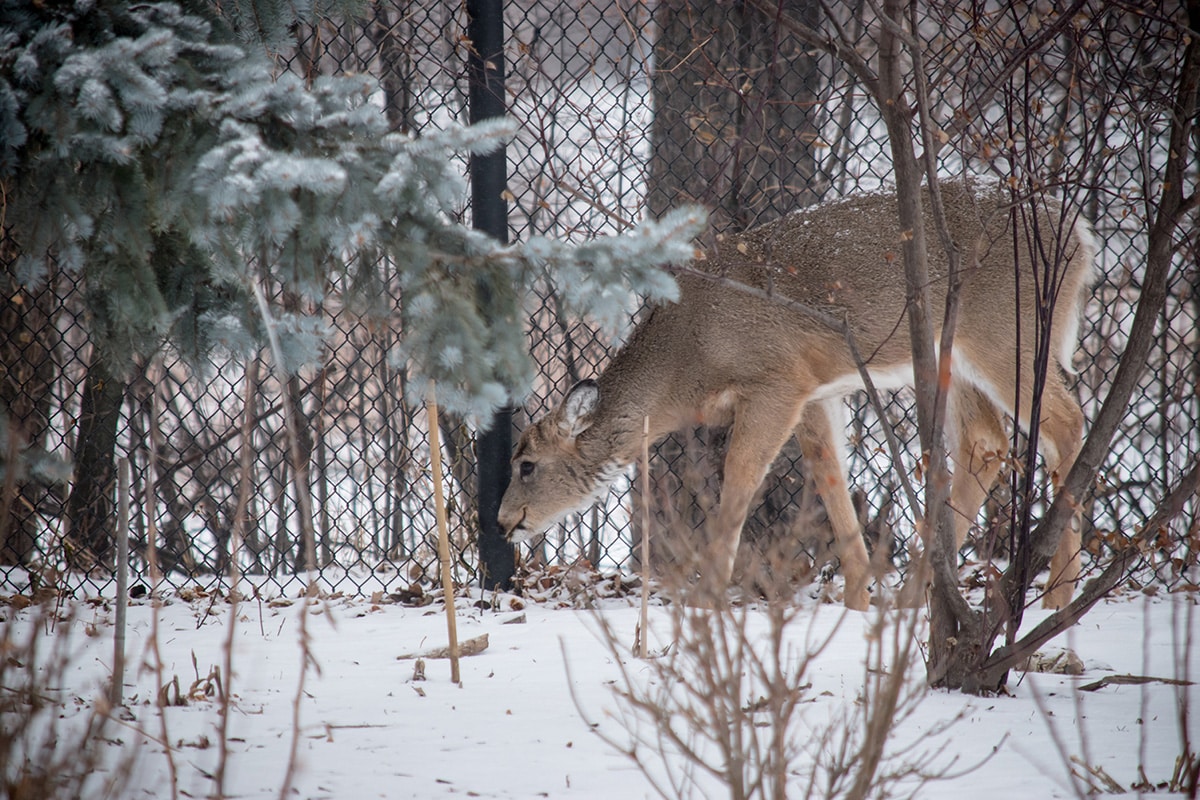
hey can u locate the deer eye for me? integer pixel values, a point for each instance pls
(526, 469)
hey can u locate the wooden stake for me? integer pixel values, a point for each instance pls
(643, 645)
(439, 504)
(117, 688)
(150, 500)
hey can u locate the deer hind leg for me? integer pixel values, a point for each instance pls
(979, 445)
(819, 443)
(1062, 429)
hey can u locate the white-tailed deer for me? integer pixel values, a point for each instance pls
(721, 356)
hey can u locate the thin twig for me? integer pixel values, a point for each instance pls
(238, 535)
(942, 557)
(200, 454)
(643, 644)
(1006, 657)
(1161, 246)
(156, 582)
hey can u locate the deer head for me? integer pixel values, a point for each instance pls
(551, 474)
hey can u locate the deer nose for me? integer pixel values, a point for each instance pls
(508, 526)
(506, 522)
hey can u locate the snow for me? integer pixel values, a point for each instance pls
(512, 730)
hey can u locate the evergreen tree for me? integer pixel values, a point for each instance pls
(145, 149)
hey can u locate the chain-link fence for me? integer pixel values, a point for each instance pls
(626, 109)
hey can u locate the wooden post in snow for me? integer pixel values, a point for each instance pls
(439, 504)
(117, 688)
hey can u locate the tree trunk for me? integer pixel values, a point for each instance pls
(461, 460)
(173, 547)
(90, 523)
(301, 461)
(734, 131)
(27, 371)
(733, 126)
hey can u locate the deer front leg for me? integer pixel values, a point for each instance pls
(760, 428)
(823, 455)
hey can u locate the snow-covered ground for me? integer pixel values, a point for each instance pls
(511, 729)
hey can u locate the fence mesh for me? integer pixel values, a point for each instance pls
(626, 109)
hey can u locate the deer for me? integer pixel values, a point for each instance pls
(721, 355)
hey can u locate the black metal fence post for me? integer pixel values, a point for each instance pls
(489, 213)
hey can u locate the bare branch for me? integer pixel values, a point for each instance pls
(943, 554)
(1099, 587)
(1013, 61)
(1172, 210)
(843, 47)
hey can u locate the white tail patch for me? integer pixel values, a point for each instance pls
(1087, 271)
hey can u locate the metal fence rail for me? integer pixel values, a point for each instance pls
(626, 109)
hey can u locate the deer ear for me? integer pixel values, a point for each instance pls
(578, 407)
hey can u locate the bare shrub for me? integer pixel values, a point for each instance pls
(728, 697)
(47, 753)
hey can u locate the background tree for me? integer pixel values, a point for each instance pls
(27, 371)
(737, 128)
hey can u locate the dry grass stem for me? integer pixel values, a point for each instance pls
(643, 628)
(724, 702)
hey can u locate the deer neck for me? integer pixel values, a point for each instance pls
(639, 384)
